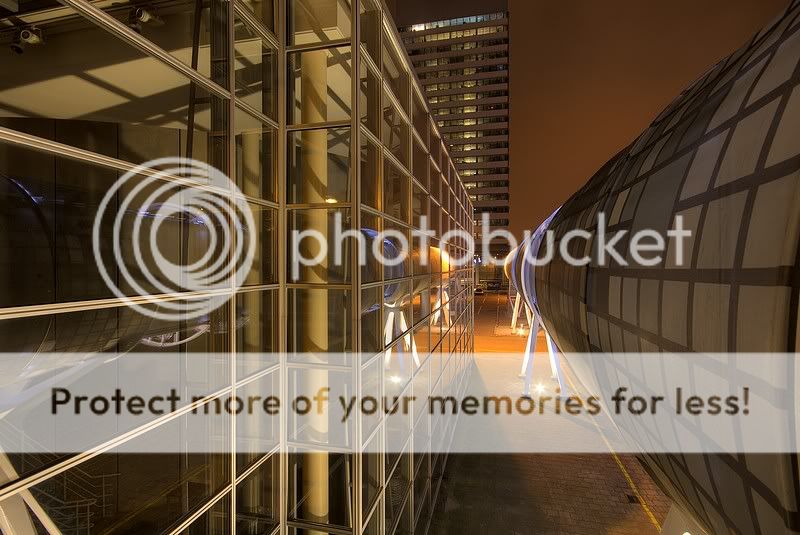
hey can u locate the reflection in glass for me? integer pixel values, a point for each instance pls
(256, 157)
(371, 324)
(371, 28)
(257, 431)
(215, 521)
(420, 163)
(395, 242)
(369, 98)
(371, 226)
(134, 105)
(435, 184)
(395, 192)
(264, 11)
(141, 493)
(373, 525)
(319, 320)
(48, 206)
(420, 119)
(320, 488)
(257, 499)
(114, 330)
(370, 475)
(319, 166)
(256, 73)
(264, 269)
(320, 85)
(397, 502)
(194, 33)
(395, 133)
(419, 204)
(370, 174)
(371, 386)
(258, 311)
(314, 21)
(328, 223)
(394, 72)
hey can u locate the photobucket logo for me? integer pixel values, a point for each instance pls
(645, 247)
(179, 225)
(311, 247)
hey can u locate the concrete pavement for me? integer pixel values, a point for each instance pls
(535, 494)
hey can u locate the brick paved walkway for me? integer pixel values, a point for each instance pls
(541, 494)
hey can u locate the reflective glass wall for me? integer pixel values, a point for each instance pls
(311, 108)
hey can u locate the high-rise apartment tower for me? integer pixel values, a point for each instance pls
(463, 66)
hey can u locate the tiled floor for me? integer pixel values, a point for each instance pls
(553, 494)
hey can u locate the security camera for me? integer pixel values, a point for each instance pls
(139, 16)
(24, 37)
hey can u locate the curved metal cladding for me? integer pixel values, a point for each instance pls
(725, 155)
(519, 266)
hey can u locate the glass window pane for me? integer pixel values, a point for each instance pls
(394, 72)
(59, 258)
(319, 86)
(151, 492)
(257, 499)
(371, 324)
(435, 185)
(369, 98)
(264, 10)
(371, 226)
(420, 164)
(320, 488)
(371, 483)
(314, 21)
(257, 317)
(397, 502)
(306, 262)
(395, 192)
(422, 332)
(395, 132)
(419, 206)
(265, 260)
(256, 71)
(257, 430)
(124, 104)
(393, 247)
(370, 174)
(373, 525)
(215, 521)
(319, 166)
(371, 27)
(420, 119)
(319, 320)
(256, 157)
(197, 37)
(371, 386)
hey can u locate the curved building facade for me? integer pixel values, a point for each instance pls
(725, 155)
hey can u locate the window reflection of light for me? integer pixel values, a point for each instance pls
(395, 379)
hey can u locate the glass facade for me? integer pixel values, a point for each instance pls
(266, 92)
(463, 65)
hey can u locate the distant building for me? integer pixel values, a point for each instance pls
(463, 66)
